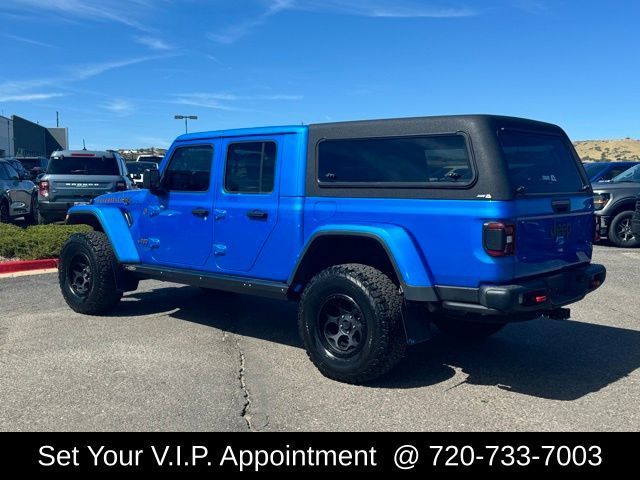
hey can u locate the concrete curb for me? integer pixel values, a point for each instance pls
(26, 265)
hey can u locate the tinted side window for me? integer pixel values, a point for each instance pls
(427, 159)
(11, 172)
(189, 169)
(250, 167)
(3, 173)
(540, 163)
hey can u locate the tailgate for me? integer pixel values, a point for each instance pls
(80, 188)
(552, 234)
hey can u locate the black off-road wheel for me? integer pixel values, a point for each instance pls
(4, 211)
(87, 273)
(349, 319)
(620, 231)
(460, 328)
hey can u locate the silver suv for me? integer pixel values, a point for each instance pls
(75, 177)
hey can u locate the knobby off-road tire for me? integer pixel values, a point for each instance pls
(620, 231)
(349, 318)
(460, 328)
(87, 273)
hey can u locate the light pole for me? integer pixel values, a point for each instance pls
(186, 119)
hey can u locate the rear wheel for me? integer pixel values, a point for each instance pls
(42, 220)
(33, 212)
(4, 212)
(457, 327)
(87, 273)
(620, 231)
(350, 322)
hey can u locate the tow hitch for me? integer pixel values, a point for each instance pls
(559, 314)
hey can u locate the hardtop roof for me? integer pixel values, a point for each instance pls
(391, 123)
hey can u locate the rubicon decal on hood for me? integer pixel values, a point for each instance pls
(124, 200)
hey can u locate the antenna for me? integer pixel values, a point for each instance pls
(57, 120)
(84, 146)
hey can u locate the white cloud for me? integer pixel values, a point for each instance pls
(29, 97)
(22, 90)
(363, 8)
(30, 41)
(226, 101)
(119, 107)
(154, 43)
(384, 8)
(118, 11)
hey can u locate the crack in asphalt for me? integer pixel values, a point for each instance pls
(243, 386)
(244, 413)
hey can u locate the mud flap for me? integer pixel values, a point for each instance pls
(415, 318)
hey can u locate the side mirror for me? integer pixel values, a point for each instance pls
(151, 180)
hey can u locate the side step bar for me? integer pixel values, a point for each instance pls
(228, 283)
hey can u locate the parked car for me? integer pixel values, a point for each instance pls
(606, 171)
(136, 169)
(635, 222)
(36, 166)
(615, 202)
(150, 158)
(75, 177)
(23, 174)
(18, 196)
(354, 222)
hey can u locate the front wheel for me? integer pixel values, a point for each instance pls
(349, 319)
(87, 273)
(457, 327)
(620, 232)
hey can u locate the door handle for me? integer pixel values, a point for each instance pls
(257, 214)
(200, 212)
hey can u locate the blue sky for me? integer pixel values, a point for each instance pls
(118, 71)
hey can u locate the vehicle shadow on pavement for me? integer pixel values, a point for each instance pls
(542, 358)
(560, 360)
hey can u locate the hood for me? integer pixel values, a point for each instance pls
(613, 186)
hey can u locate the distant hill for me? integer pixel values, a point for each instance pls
(132, 154)
(608, 150)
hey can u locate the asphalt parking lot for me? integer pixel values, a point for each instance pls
(173, 358)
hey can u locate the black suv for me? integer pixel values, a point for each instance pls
(615, 202)
(75, 177)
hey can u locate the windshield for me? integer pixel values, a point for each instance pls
(83, 166)
(140, 167)
(592, 168)
(540, 163)
(631, 175)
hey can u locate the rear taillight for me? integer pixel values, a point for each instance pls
(121, 186)
(43, 188)
(499, 238)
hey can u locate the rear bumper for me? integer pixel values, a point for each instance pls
(528, 298)
(54, 211)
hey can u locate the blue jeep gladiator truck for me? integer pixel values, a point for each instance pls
(378, 229)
